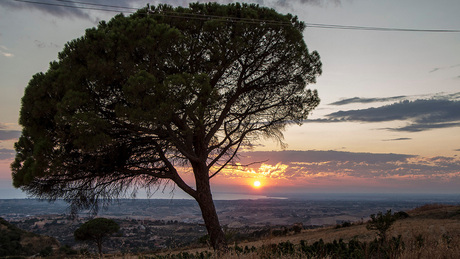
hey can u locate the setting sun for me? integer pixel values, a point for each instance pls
(256, 184)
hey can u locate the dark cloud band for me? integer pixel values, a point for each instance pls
(422, 114)
(397, 139)
(321, 156)
(367, 100)
(7, 154)
(9, 134)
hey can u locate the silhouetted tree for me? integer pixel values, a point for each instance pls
(382, 223)
(138, 98)
(96, 230)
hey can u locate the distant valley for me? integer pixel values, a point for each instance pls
(150, 224)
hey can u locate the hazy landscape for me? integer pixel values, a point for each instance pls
(261, 129)
(155, 224)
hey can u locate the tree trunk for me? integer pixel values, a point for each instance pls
(208, 210)
(99, 246)
(215, 231)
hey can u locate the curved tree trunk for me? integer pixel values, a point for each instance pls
(208, 210)
(215, 231)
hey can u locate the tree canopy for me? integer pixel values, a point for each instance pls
(135, 99)
(96, 230)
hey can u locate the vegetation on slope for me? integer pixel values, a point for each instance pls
(17, 242)
(430, 231)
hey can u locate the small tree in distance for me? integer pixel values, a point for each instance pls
(382, 223)
(136, 100)
(96, 230)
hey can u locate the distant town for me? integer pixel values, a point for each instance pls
(150, 224)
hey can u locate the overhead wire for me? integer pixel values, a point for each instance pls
(82, 7)
(101, 5)
(348, 27)
(124, 9)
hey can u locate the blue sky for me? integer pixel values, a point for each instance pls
(389, 119)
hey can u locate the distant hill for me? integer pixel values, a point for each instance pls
(17, 242)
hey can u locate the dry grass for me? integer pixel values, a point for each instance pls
(432, 231)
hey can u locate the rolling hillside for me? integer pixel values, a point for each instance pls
(17, 242)
(430, 231)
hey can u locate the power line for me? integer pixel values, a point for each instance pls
(101, 5)
(113, 8)
(80, 7)
(348, 27)
(168, 14)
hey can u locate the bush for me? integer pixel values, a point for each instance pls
(382, 223)
(344, 224)
(47, 251)
(285, 248)
(401, 215)
(66, 249)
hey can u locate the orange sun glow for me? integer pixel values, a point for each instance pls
(256, 184)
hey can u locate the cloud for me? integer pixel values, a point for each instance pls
(444, 68)
(417, 127)
(397, 139)
(367, 100)
(313, 156)
(289, 3)
(452, 96)
(422, 111)
(41, 44)
(76, 9)
(422, 114)
(442, 96)
(9, 134)
(7, 154)
(83, 10)
(309, 166)
(49, 8)
(5, 52)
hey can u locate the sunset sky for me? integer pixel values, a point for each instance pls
(389, 118)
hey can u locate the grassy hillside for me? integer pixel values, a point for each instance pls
(431, 231)
(17, 242)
